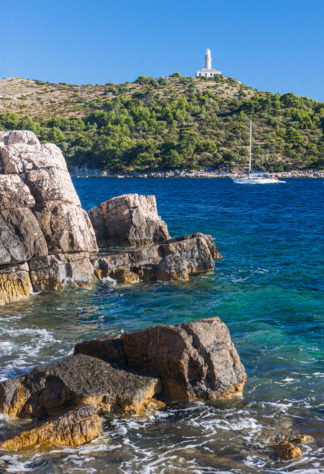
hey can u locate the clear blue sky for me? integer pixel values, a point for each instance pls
(274, 45)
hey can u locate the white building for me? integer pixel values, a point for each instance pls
(207, 71)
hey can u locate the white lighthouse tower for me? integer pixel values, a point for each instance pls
(207, 71)
(208, 59)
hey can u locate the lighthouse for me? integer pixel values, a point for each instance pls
(207, 71)
(208, 59)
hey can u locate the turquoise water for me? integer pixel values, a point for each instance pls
(268, 289)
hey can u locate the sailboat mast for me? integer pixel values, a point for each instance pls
(250, 154)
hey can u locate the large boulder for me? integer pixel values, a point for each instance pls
(175, 259)
(130, 220)
(77, 380)
(42, 224)
(195, 360)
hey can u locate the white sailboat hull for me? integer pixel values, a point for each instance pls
(257, 180)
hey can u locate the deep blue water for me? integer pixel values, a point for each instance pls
(268, 289)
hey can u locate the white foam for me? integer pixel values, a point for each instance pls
(108, 281)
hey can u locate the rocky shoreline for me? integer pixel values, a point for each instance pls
(97, 173)
(47, 241)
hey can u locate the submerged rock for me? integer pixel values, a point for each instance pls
(77, 426)
(130, 220)
(194, 360)
(301, 439)
(175, 259)
(286, 450)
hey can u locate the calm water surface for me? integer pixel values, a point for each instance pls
(268, 288)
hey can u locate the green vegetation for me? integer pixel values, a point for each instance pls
(180, 122)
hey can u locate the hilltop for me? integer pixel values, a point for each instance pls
(167, 123)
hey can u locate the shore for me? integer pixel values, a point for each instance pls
(97, 173)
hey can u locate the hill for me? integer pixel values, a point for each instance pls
(166, 123)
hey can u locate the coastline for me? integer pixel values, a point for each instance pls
(97, 173)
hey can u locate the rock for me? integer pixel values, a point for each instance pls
(52, 184)
(77, 426)
(42, 223)
(73, 381)
(14, 283)
(125, 276)
(301, 439)
(66, 228)
(14, 193)
(17, 243)
(175, 259)
(194, 360)
(55, 272)
(285, 450)
(130, 220)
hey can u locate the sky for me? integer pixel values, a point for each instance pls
(271, 45)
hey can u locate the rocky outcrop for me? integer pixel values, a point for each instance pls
(48, 241)
(174, 259)
(130, 220)
(43, 228)
(120, 375)
(194, 360)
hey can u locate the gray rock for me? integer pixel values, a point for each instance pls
(55, 272)
(130, 220)
(41, 219)
(175, 259)
(66, 227)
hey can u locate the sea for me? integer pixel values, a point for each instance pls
(268, 289)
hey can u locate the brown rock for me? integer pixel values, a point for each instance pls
(194, 360)
(285, 450)
(14, 283)
(130, 220)
(77, 380)
(301, 439)
(126, 277)
(77, 426)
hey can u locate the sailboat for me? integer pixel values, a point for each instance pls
(255, 178)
